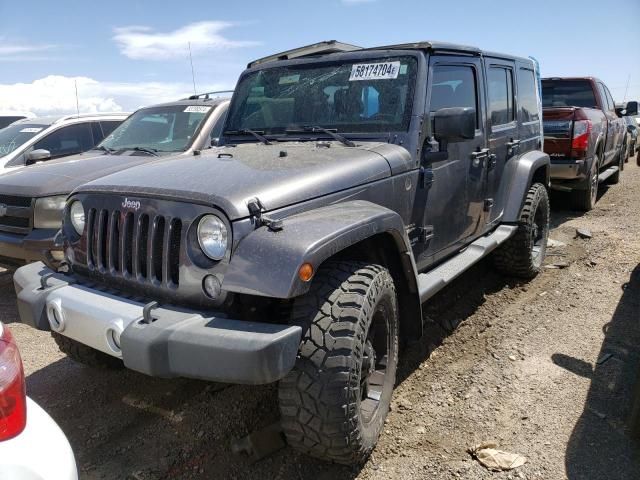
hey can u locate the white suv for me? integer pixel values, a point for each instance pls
(32, 446)
(34, 140)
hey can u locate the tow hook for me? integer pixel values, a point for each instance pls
(146, 312)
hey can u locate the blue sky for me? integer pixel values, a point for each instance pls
(124, 54)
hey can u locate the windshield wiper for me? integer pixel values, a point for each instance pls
(108, 150)
(258, 134)
(150, 151)
(331, 132)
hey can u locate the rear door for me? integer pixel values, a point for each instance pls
(504, 136)
(454, 206)
(617, 126)
(612, 132)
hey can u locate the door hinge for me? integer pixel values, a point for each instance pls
(488, 204)
(492, 161)
(426, 177)
(421, 234)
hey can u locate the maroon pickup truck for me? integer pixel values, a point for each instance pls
(583, 135)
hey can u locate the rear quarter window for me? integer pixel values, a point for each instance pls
(527, 98)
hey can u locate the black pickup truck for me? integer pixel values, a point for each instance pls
(583, 135)
(350, 188)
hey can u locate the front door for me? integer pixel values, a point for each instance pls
(454, 206)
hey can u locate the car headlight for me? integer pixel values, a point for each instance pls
(213, 237)
(76, 215)
(47, 212)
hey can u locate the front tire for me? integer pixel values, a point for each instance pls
(335, 400)
(86, 355)
(522, 255)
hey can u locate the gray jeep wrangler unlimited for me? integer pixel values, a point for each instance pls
(349, 188)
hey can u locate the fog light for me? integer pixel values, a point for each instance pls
(57, 255)
(212, 287)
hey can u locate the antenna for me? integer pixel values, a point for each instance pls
(77, 103)
(624, 99)
(193, 75)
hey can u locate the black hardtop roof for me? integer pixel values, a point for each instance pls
(432, 46)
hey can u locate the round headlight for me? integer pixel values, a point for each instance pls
(212, 237)
(76, 212)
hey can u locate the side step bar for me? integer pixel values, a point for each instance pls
(607, 173)
(432, 282)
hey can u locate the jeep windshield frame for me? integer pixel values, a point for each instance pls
(356, 95)
(160, 129)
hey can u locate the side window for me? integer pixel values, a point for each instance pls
(454, 86)
(109, 126)
(68, 140)
(612, 104)
(500, 95)
(97, 132)
(216, 131)
(603, 97)
(527, 98)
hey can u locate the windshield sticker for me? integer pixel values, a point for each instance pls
(375, 71)
(30, 130)
(288, 79)
(197, 109)
(403, 69)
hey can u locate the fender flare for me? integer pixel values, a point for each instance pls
(266, 262)
(517, 179)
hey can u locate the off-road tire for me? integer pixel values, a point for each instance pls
(321, 398)
(80, 353)
(518, 256)
(585, 200)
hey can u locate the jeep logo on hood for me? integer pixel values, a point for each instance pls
(133, 204)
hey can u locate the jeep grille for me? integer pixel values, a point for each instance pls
(140, 246)
(16, 214)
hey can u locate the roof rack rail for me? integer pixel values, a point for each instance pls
(207, 95)
(328, 46)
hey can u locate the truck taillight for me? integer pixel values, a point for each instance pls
(13, 397)
(580, 139)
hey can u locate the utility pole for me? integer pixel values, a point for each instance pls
(77, 102)
(624, 99)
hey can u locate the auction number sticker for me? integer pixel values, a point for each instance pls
(30, 130)
(374, 71)
(197, 109)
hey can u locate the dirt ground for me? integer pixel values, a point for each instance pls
(546, 369)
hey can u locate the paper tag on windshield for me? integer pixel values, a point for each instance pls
(197, 109)
(375, 71)
(30, 130)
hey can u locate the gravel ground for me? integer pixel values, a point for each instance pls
(546, 369)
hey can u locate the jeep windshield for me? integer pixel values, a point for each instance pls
(13, 136)
(362, 96)
(157, 129)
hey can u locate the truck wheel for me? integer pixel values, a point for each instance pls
(585, 200)
(86, 355)
(522, 255)
(335, 400)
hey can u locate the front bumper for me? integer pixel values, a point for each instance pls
(40, 452)
(176, 343)
(37, 245)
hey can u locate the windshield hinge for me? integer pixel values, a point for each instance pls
(256, 213)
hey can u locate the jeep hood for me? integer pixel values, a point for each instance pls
(279, 175)
(61, 176)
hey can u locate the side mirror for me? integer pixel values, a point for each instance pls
(455, 123)
(37, 156)
(631, 108)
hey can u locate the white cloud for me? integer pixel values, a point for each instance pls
(141, 42)
(54, 94)
(11, 49)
